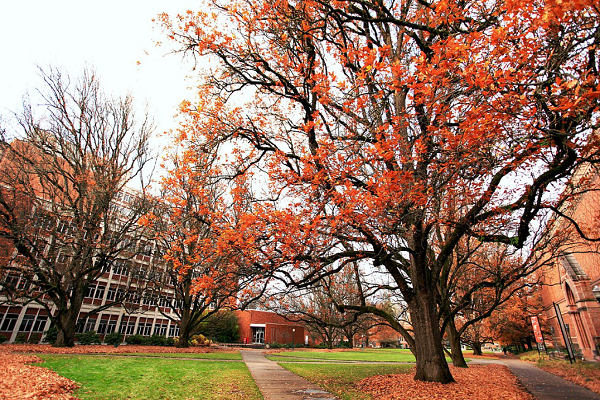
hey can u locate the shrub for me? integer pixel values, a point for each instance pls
(21, 338)
(89, 337)
(2, 338)
(51, 335)
(170, 342)
(222, 327)
(113, 338)
(199, 340)
(136, 339)
(157, 340)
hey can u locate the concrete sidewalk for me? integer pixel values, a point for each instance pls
(543, 385)
(277, 383)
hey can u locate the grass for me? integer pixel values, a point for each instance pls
(203, 356)
(340, 379)
(118, 377)
(372, 355)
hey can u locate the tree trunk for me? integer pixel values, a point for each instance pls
(350, 341)
(67, 314)
(184, 329)
(429, 351)
(458, 360)
(476, 349)
(66, 327)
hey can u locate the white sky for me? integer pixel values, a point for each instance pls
(112, 36)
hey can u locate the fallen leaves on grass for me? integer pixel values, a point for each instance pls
(586, 377)
(19, 381)
(480, 382)
(103, 349)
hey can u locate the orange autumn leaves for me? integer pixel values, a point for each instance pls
(19, 381)
(478, 382)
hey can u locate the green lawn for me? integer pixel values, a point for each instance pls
(117, 377)
(340, 379)
(375, 355)
(204, 356)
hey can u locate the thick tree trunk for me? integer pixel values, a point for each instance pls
(429, 351)
(458, 360)
(66, 327)
(67, 314)
(476, 349)
(184, 329)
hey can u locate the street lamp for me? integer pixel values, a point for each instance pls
(596, 291)
(293, 337)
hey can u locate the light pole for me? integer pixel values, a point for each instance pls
(293, 338)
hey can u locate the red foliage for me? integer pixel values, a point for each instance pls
(475, 382)
(19, 381)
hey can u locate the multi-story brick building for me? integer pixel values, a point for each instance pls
(572, 280)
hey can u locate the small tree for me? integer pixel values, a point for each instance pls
(58, 202)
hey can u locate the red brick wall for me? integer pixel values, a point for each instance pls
(277, 328)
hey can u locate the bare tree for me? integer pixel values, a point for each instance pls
(61, 204)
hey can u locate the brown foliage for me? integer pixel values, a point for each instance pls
(476, 382)
(99, 349)
(19, 381)
(586, 377)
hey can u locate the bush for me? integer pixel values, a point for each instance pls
(113, 338)
(21, 338)
(170, 342)
(136, 339)
(2, 338)
(222, 327)
(157, 340)
(51, 335)
(199, 340)
(89, 337)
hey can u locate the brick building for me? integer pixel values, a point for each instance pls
(572, 280)
(266, 327)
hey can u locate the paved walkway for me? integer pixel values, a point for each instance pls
(277, 383)
(543, 385)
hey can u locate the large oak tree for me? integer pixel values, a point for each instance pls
(376, 124)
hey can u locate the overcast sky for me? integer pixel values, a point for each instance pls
(111, 35)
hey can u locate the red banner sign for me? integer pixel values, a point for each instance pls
(537, 331)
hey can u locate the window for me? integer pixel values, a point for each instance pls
(80, 325)
(144, 328)
(39, 324)
(90, 324)
(572, 267)
(146, 249)
(102, 325)
(160, 329)
(127, 327)
(121, 267)
(99, 292)
(10, 320)
(174, 330)
(26, 323)
(90, 291)
(112, 293)
(111, 326)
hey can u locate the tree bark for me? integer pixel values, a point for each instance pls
(429, 351)
(184, 329)
(476, 349)
(456, 354)
(66, 327)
